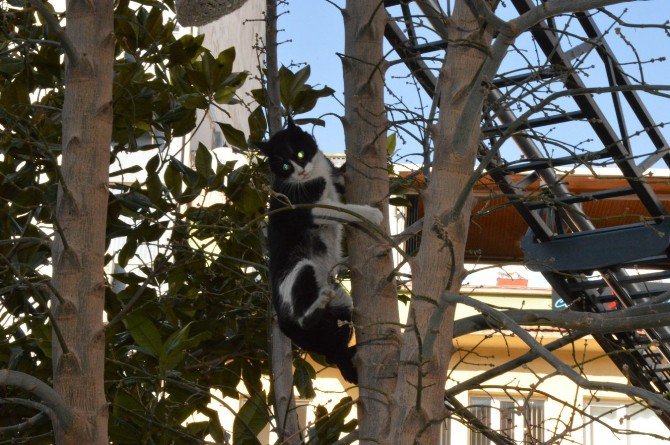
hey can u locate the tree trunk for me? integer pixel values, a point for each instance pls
(288, 428)
(419, 396)
(79, 245)
(367, 182)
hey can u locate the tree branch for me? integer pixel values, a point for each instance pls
(649, 316)
(476, 424)
(25, 425)
(50, 398)
(551, 8)
(67, 45)
(512, 364)
(535, 15)
(655, 400)
(481, 9)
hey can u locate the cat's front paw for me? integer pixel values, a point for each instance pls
(375, 215)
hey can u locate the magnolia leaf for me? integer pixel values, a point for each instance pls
(250, 420)
(391, 140)
(203, 161)
(144, 333)
(233, 136)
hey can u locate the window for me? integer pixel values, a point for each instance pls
(414, 213)
(445, 433)
(520, 420)
(481, 408)
(617, 418)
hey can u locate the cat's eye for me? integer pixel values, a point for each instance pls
(301, 154)
(285, 167)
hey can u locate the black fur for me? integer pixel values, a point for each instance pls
(296, 236)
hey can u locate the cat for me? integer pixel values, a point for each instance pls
(305, 247)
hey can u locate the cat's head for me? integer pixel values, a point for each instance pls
(293, 154)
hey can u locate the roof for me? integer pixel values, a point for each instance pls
(496, 228)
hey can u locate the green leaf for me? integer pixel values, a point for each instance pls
(257, 125)
(303, 375)
(329, 426)
(124, 171)
(173, 180)
(233, 136)
(391, 143)
(152, 165)
(260, 96)
(285, 81)
(185, 49)
(127, 252)
(194, 100)
(203, 161)
(310, 121)
(250, 420)
(226, 59)
(144, 333)
(300, 79)
(400, 201)
(154, 188)
(172, 352)
(251, 375)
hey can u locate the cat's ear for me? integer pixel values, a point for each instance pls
(264, 147)
(290, 124)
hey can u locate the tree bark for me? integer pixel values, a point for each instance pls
(79, 245)
(288, 428)
(367, 182)
(419, 397)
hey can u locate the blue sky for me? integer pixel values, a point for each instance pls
(315, 31)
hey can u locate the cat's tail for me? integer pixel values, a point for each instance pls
(344, 360)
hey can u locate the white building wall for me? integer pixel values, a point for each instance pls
(243, 29)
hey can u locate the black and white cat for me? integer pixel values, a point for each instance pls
(305, 247)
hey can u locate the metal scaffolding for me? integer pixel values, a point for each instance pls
(585, 265)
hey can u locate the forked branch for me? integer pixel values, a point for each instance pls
(57, 408)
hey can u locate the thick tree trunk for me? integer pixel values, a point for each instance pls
(374, 294)
(79, 246)
(419, 396)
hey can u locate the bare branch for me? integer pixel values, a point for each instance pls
(476, 423)
(593, 323)
(50, 398)
(409, 232)
(512, 364)
(655, 400)
(551, 8)
(25, 425)
(481, 9)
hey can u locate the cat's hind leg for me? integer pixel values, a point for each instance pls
(303, 296)
(342, 305)
(315, 312)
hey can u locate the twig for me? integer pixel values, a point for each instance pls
(136, 296)
(552, 8)
(512, 364)
(506, 322)
(56, 28)
(25, 425)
